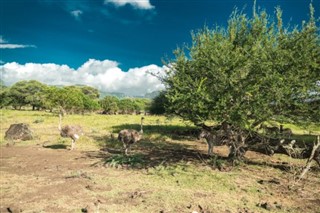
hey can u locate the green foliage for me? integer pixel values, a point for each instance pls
(27, 92)
(109, 104)
(91, 92)
(158, 104)
(142, 103)
(123, 160)
(4, 97)
(245, 74)
(128, 106)
(73, 99)
(90, 104)
(49, 101)
(69, 98)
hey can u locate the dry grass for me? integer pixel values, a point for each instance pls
(167, 172)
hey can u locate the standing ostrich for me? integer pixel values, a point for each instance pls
(216, 138)
(130, 136)
(68, 131)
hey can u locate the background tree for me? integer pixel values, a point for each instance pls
(4, 96)
(91, 92)
(73, 100)
(25, 93)
(109, 104)
(50, 98)
(90, 104)
(128, 106)
(142, 104)
(158, 104)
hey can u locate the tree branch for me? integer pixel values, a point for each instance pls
(309, 161)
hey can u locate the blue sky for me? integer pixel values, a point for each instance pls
(126, 35)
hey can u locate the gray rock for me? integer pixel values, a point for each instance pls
(19, 131)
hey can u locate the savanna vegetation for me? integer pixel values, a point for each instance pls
(247, 85)
(72, 99)
(167, 171)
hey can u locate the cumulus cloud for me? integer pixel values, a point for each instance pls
(138, 4)
(104, 75)
(76, 14)
(5, 45)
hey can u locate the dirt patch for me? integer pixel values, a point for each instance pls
(36, 175)
(38, 179)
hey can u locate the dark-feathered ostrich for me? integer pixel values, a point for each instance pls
(130, 136)
(73, 132)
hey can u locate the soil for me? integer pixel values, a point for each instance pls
(34, 178)
(39, 179)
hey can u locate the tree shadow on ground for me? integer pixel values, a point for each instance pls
(173, 131)
(55, 146)
(149, 152)
(171, 146)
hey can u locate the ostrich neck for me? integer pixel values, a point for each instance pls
(59, 126)
(141, 130)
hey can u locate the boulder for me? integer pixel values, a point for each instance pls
(19, 131)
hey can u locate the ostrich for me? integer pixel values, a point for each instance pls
(214, 139)
(68, 131)
(130, 136)
(210, 138)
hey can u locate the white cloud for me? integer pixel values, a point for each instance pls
(4, 45)
(76, 14)
(103, 75)
(15, 46)
(138, 4)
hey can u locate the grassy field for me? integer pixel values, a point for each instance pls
(168, 171)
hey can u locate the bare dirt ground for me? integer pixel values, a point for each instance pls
(33, 179)
(39, 179)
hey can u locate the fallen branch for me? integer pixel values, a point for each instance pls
(292, 148)
(309, 161)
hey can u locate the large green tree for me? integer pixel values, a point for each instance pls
(252, 71)
(73, 100)
(25, 93)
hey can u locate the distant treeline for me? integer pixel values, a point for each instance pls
(73, 99)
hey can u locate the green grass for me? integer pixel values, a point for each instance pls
(98, 128)
(120, 160)
(164, 171)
